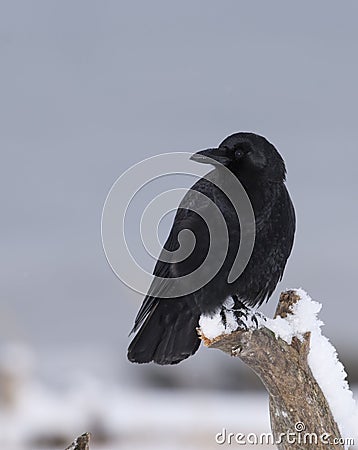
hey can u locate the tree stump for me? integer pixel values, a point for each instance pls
(81, 443)
(299, 413)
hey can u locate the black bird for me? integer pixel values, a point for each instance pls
(166, 327)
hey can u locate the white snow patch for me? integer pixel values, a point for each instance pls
(212, 326)
(129, 418)
(303, 319)
(323, 360)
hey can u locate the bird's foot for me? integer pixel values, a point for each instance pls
(238, 304)
(257, 318)
(233, 319)
(226, 320)
(241, 317)
(223, 316)
(245, 317)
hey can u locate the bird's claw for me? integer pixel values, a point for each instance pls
(244, 316)
(255, 321)
(223, 316)
(238, 314)
(256, 317)
(240, 323)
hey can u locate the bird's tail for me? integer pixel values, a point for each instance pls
(168, 335)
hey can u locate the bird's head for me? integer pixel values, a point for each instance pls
(247, 154)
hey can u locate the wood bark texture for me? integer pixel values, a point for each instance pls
(81, 443)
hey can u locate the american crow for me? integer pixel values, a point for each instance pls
(166, 327)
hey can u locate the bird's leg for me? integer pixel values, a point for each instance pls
(243, 315)
(241, 310)
(238, 309)
(237, 315)
(241, 323)
(254, 319)
(239, 306)
(223, 316)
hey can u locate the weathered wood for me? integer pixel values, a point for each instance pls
(299, 412)
(81, 443)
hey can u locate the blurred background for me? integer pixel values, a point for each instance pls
(89, 88)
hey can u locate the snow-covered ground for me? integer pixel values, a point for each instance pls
(135, 418)
(130, 419)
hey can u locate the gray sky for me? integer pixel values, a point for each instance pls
(89, 88)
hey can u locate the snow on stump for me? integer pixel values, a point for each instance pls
(311, 405)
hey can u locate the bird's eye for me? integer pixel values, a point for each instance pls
(239, 154)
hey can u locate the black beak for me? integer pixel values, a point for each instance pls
(214, 156)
